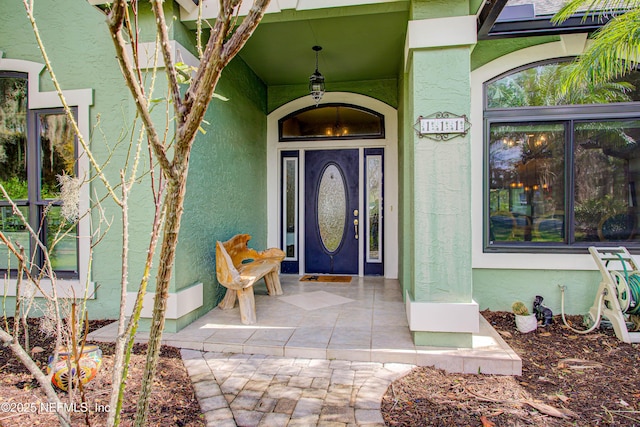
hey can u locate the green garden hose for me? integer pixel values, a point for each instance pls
(633, 289)
(628, 297)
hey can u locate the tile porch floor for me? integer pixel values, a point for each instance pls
(364, 320)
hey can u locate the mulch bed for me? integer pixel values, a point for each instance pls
(567, 379)
(172, 402)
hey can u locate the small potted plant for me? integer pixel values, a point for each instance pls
(525, 322)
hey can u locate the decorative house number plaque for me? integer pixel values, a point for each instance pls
(442, 126)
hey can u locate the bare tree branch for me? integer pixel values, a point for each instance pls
(169, 64)
(42, 379)
(115, 23)
(216, 56)
(69, 114)
(244, 31)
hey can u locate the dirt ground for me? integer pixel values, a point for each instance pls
(173, 401)
(568, 379)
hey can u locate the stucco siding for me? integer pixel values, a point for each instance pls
(82, 55)
(486, 51)
(498, 289)
(226, 190)
(385, 90)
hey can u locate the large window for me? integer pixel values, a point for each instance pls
(561, 169)
(36, 147)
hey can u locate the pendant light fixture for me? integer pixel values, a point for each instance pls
(316, 81)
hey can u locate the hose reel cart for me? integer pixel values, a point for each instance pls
(618, 296)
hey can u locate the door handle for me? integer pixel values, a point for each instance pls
(355, 224)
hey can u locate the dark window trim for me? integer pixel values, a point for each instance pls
(542, 26)
(569, 115)
(15, 74)
(41, 203)
(488, 16)
(380, 116)
(35, 203)
(570, 246)
(565, 112)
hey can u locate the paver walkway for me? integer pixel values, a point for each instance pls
(258, 390)
(321, 354)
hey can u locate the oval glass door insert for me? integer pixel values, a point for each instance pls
(332, 208)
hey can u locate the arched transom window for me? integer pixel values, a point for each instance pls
(331, 121)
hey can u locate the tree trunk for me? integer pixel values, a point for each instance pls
(174, 203)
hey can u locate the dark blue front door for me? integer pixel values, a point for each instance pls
(332, 220)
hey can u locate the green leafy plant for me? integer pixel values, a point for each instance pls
(15, 187)
(520, 309)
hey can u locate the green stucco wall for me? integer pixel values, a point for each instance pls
(486, 51)
(474, 6)
(77, 52)
(431, 9)
(441, 180)
(383, 90)
(226, 190)
(435, 220)
(82, 55)
(498, 289)
(406, 171)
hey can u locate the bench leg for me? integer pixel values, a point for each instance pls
(273, 283)
(247, 304)
(229, 300)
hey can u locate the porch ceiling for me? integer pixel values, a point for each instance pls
(362, 47)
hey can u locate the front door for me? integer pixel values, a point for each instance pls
(331, 212)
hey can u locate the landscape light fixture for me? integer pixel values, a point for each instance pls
(316, 81)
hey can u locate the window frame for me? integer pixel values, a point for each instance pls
(569, 115)
(290, 264)
(34, 203)
(40, 203)
(374, 266)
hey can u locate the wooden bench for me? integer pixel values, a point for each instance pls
(239, 267)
